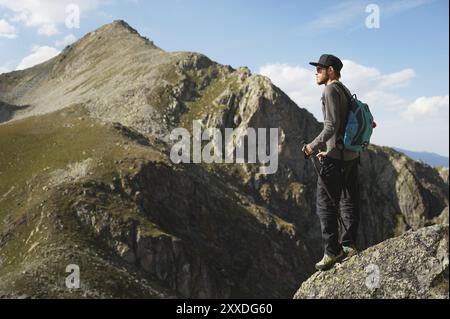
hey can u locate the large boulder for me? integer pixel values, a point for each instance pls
(414, 265)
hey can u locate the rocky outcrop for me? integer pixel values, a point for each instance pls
(443, 171)
(414, 265)
(203, 240)
(398, 194)
(7, 111)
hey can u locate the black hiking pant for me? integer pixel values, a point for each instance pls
(347, 201)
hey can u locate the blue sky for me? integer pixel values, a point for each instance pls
(401, 68)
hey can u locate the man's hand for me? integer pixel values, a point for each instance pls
(307, 149)
(321, 155)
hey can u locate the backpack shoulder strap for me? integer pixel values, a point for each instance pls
(341, 138)
(341, 86)
(349, 99)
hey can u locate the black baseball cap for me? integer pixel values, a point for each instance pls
(327, 60)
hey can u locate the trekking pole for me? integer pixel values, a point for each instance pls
(325, 187)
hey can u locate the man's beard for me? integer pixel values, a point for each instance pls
(324, 80)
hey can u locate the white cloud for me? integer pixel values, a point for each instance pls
(399, 6)
(377, 89)
(374, 80)
(352, 13)
(337, 16)
(427, 107)
(45, 15)
(48, 29)
(401, 120)
(7, 30)
(297, 82)
(39, 54)
(397, 79)
(68, 39)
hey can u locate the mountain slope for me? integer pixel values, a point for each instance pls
(97, 204)
(431, 159)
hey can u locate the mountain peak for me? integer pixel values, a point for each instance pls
(121, 24)
(119, 29)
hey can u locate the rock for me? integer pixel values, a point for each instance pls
(443, 172)
(442, 218)
(414, 265)
(398, 194)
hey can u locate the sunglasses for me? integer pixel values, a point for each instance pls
(320, 68)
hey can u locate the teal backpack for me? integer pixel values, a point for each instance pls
(360, 124)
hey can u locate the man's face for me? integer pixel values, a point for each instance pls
(322, 76)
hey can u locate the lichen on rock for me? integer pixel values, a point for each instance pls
(414, 265)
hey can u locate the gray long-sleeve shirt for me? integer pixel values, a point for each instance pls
(335, 110)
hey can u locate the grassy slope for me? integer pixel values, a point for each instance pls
(38, 235)
(39, 232)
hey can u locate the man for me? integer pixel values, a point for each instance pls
(339, 169)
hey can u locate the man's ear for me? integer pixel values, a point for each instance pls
(330, 68)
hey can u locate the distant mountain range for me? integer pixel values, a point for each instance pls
(431, 159)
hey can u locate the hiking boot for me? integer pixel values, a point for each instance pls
(349, 251)
(328, 261)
